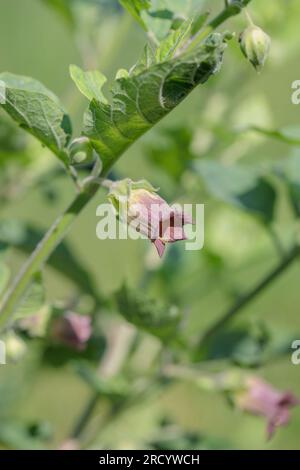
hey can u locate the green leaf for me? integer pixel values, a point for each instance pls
(38, 111)
(89, 83)
(135, 8)
(240, 186)
(198, 22)
(172, 43)
(148, 314)
(140, 101)
(246, 345)
(147, 59)
(33, 300)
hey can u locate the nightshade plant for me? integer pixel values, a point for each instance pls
(183, 52)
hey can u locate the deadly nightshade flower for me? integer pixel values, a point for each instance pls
(260, 398)
(72, 330)
(255, 45)
(139, 205)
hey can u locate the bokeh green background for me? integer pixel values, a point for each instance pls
(35, 41)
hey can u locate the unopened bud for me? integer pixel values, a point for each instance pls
(255, 45)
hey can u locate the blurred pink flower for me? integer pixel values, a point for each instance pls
(72, 330)
(263, 399)
(70, 444)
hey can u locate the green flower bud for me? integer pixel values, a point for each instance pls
(255, 45)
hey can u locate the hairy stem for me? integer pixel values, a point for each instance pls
(252, 294)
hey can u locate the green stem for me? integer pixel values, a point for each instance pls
(42, 252)
(85, 416)
(228, 12)
(252, 294)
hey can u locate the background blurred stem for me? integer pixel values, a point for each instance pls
(251, 295)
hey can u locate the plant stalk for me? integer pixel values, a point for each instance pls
(251, 295)
(42, 252)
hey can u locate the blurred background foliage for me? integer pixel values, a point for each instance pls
(207, 152)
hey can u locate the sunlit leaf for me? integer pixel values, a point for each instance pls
(38, 111)
(89, 83)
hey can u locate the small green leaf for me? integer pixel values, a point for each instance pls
(172, 43)
(89, 83)
(38, 111)
(240, 186)
(198, 22)
(147, 59)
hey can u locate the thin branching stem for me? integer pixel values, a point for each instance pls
(251, 295)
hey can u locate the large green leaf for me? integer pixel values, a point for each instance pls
(38, 111)
(240, 186)
(141, 100)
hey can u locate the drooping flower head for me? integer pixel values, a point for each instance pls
(260, 398)
(72, 330)
(139, 205)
